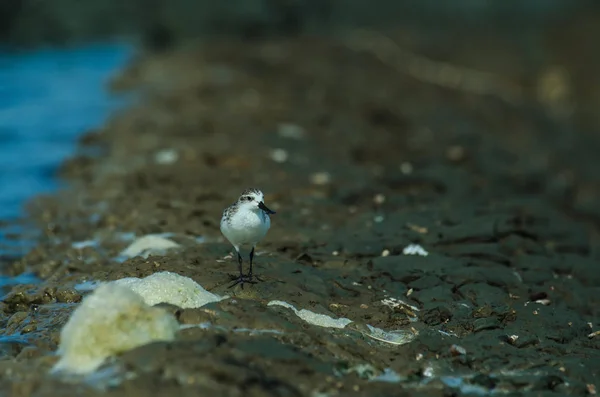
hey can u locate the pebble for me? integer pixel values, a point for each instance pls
(406, 168)
(455, 153)
(457, 350)
(379, 199)
(320, 178)
(166, 156)
(279, 155)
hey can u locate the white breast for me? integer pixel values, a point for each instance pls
(246, 227)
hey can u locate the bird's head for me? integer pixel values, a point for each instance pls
(253, 199)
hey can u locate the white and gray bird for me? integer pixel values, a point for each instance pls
(246, 223)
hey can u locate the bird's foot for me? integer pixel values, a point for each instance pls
(251, 276)
(241, 279)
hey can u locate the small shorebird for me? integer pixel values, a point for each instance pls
(245, 223)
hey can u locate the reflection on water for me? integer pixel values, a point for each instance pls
(47, 99)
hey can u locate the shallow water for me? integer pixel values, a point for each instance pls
(25, 278)
(48, 98)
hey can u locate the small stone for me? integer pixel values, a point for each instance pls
(457, 350)
(166, 156)
(455, 153)
(417, 228)
(29, 328)
(279, 155)
(512, 339)
(593, 334)
(379, 199)
(320, 178)
(485, 323)
(406, 168)
(67, 295)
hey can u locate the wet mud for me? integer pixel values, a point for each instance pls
(361, 158)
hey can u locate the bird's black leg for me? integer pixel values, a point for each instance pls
(240, 264)
(241, 278)
(251, 259)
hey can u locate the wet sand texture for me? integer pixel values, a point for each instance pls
(360, 159)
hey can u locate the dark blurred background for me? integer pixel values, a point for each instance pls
(522, 40)
(159, 22)
(57, 55)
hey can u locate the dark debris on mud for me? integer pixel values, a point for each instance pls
(359, 160)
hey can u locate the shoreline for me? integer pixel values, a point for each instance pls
(52, 97)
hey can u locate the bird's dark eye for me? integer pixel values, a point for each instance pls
(248, 198)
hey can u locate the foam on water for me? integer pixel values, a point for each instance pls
(110, 321)
(172, 288)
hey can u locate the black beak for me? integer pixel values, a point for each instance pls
(263, 207)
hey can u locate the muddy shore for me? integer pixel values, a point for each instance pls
(363, 148)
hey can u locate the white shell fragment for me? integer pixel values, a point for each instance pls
(321, 320)
(396, 337)
(393, 303)
(414, 249)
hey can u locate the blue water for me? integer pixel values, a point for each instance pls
(48, 99)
